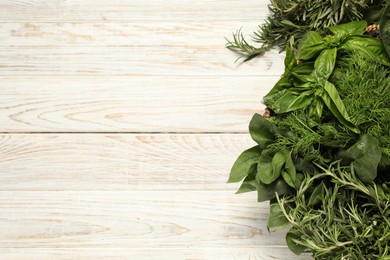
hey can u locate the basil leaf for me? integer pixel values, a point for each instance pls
(290, 61)
(265, 170)
(365, 156)
(324, 64)
(369, 46)
(249, 183)
(267, 192)
(333, 101)
(344, 30)
(385, 28)
(291, 239)
(289, 173)
(304, 68)
(261, 130)
(290, 101)
(310, 45)
(244, 163)
(283, 83)
(276, 220)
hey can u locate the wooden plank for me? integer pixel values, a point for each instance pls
(118, 10)
(134, 219)
(231, 253)
(119, 162)
(137, 104)
(136, 33)
(192, 59)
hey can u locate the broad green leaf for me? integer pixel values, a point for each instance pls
(289, 173)
(342, 31)
(244, 163)
(333, 101)
(385, 28)
(249, 183)
(325, 63)
(290, 101)
(283, 83)
(310, 45)
(292, 245)
(316, 109)
(262, 131)
(265, 172)
(317, 195)
(276, 220)
(267, 191)
(290, 61)
(305, 68)
(365, 156)
(369, 46)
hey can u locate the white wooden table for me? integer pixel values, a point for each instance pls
(119, 123)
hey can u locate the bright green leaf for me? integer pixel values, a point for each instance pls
(310, 45)
(333, 101)
(292, 245)
(325, 63)
(265, 172)
(289, 172)
(290, 101)
(342, 31)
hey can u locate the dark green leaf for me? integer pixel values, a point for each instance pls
(325, 63)
(292, 245)
(317, 195)
(244, 163)
(267, 192)
(365, 156)
(289, 173)
(265, 172)
(262, 131)
(276, 219)
(249, 183)
(333, 101)
(310, 45)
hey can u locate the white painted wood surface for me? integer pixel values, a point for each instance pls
(119, 122)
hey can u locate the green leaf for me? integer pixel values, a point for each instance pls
(290, 61)
(305, 68)
(265, 169)
(292, 245)
(244, 163)
(289, 173)
(310, 45)
(333, 101)
(276, 220)
(290, 101)
(249, 183)
(317, 195)
(369, 46)
(267, 192)
(385, 28)
(262, 131)
(325, 63)
(283, 83)
(365, 156)
(342, 31)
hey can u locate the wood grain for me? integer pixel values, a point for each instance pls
(133, 219)
(119, 162)
(118, 10)
(124, 104)
(232, 253)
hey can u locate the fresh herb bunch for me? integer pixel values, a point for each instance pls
(330, 107)
(289, 20)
